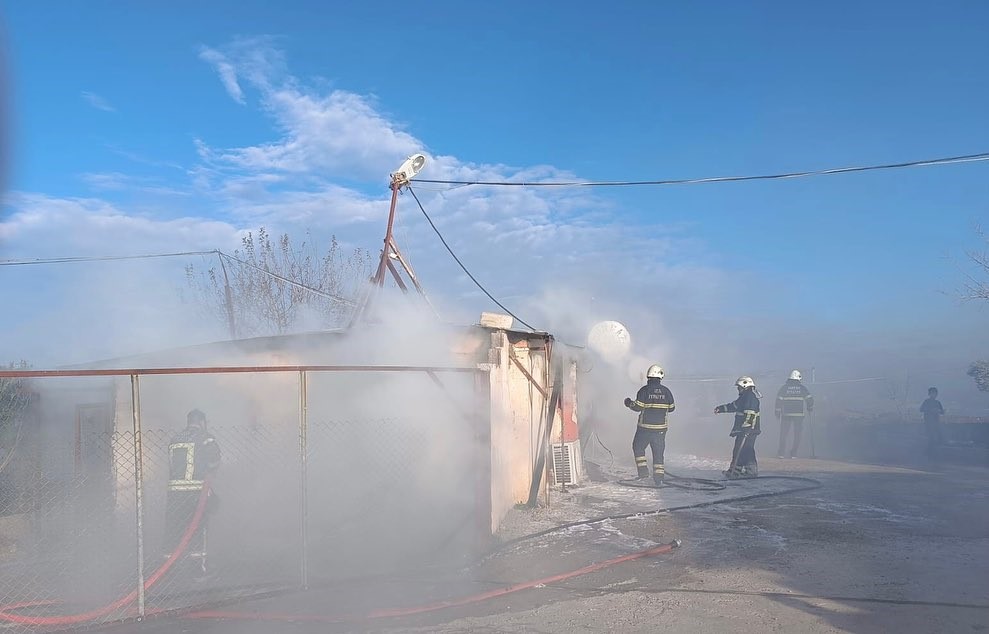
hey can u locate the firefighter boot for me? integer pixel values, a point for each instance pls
(733, 473)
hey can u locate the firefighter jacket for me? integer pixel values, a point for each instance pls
(193, 454)
(746, 409)
(654, 402)
(794, 400)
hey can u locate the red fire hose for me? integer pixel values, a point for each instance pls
(432, 607)
(83, 617)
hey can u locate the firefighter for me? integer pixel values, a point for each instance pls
(654, 403)
(794, 403)
(745, 430)
(193, 456)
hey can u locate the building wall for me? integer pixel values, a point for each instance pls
(517, 425)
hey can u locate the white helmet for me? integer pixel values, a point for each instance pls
(796, 376)
(744, 382)
(655, 371)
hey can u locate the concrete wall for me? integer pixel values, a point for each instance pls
(517, 413)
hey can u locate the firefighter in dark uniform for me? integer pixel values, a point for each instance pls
(193, 455)
(653, 402)
(794, 403)
(745, 430)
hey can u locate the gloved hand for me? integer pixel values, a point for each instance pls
(628, 402)
(720, 409)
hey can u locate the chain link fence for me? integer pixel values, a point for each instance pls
(324, 474)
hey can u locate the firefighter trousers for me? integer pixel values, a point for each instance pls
(656, 440)
(180, 510)
(743, 453)
(797, 422)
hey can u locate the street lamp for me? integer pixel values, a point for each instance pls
(390, 253)
(408, 170)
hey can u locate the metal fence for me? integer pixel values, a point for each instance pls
(326, 473)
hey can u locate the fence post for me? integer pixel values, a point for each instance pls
(304, 480)
(138, 489)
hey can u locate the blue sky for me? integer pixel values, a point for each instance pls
(174, 126)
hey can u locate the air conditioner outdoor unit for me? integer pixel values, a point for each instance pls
(568, 465)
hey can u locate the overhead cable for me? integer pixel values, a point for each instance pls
(148, 256)
(314, 291)
(464, 268)
(968, 158)
(101, 258)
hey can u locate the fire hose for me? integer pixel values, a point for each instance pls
(6, 612)
(680, 482)
(806, 485)
(439, 605)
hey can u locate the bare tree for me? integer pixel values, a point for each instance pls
(979, 371)
(273, 286)
(977, 287)
(977, 283)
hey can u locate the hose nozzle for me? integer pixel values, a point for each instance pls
(675, 543)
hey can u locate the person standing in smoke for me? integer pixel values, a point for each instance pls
(193, 456)
(793, 403)
(745, 430)
(654, 403)
(933, 411)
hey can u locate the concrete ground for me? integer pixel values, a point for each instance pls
(873, 549)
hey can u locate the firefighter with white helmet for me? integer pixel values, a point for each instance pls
(654, 403)
(793, 403)
(745, 430)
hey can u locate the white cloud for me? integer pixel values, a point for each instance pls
(98, 102)
(517, 241)
(44, 226)
(228, 74)
(339, 133)
(109, 181)
(119, 182)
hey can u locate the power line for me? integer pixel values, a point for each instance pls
(101, 258)
(314, 291)
(969, 158)
(871, 378)
(464, 268)
(148, 256)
